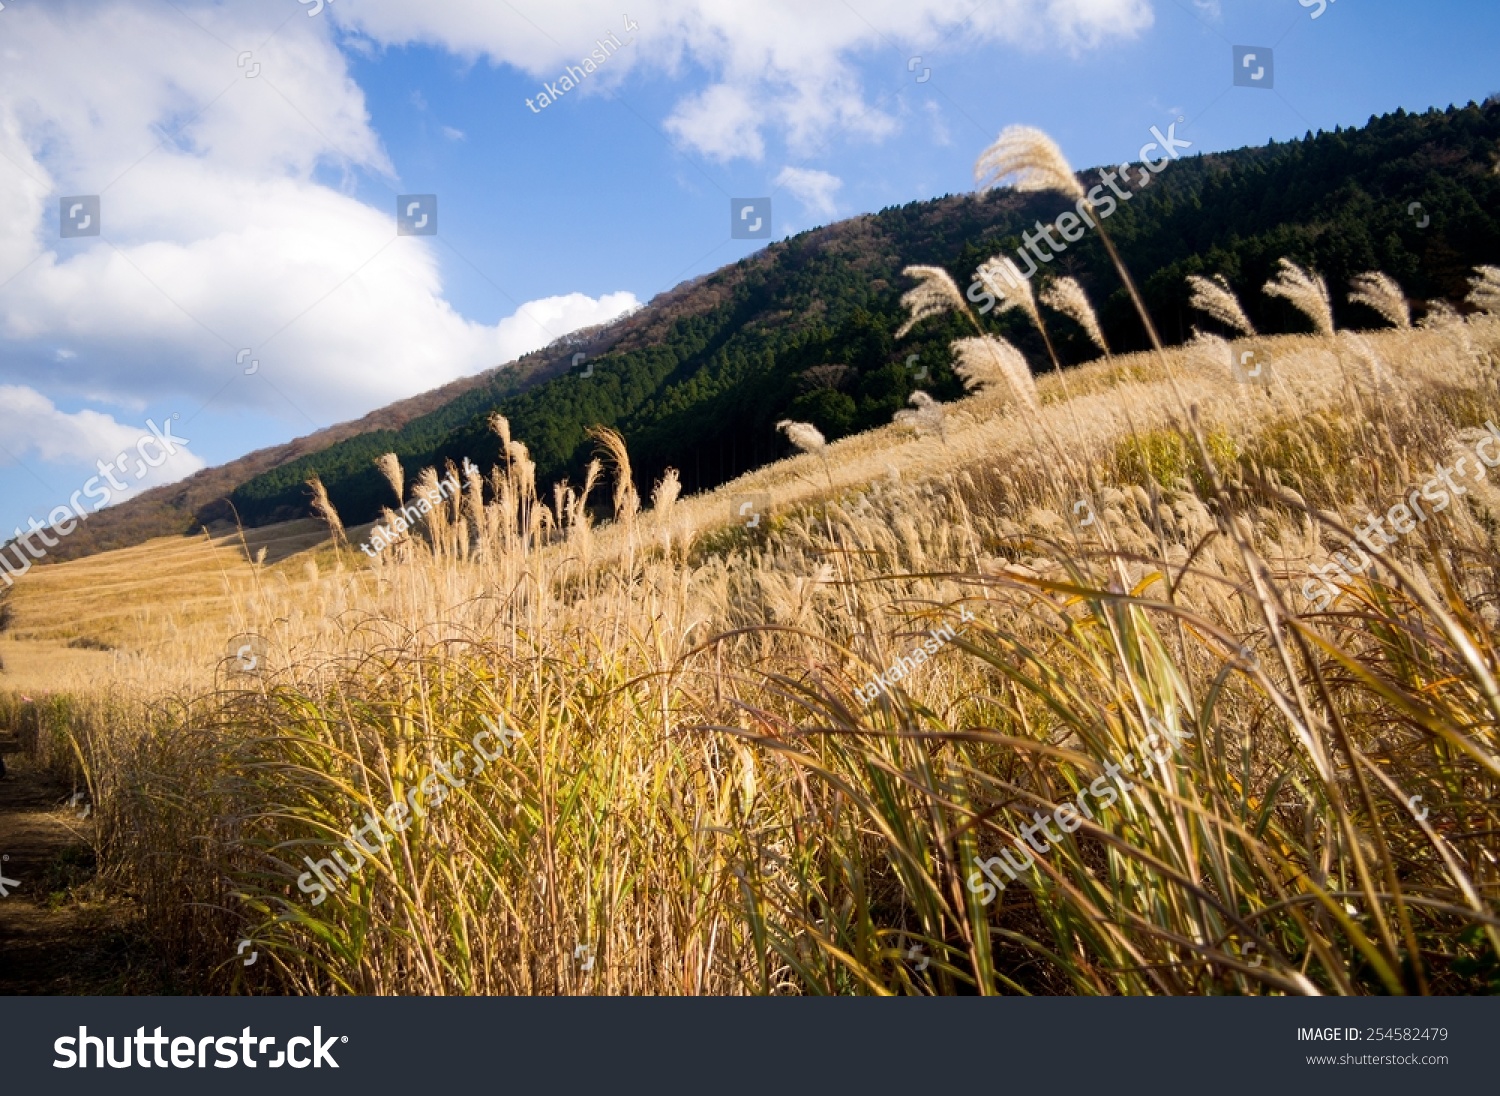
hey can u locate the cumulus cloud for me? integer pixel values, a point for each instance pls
(534, 324)
(813, 188)
(783, 65)
(33, 426)
(226, 221)
(721, 122)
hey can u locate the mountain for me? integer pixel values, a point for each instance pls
(804, 329)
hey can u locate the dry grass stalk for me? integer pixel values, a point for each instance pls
(627, 501)
(926, 415)
(1485, 289)
(1065, 295)
(1307, 292)
(1030, 161)
(934, 294)
(390, 467)
(989, 361)
(322, 506)
(805, 436)
(1011, 289)
(1213, 297)
(1383, 294)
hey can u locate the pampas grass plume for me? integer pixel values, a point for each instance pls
(664, 496)
(1002, 277)
(989, 361)
(1382, 293)
(1214, 298)
(934, 294)
(1485, 289)
(627, 501)
(1307, 292)
(803, 435)
(926, 416)
(1030, 160)
(323, 507)
(390, 467)
(1065, 295)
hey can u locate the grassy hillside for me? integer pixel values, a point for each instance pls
(703, 796)
(1149, 676)
(804, 328)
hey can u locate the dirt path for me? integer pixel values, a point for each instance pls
(58, 934)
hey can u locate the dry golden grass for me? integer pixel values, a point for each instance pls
(698, 799)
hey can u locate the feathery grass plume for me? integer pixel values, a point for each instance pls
(501, 426)
(934, 294)
(927, 417)
(664, 494)
(1065, 295)
(1382, 293)
(991, 361)
(393, 531)
(627, 501)
(479, 514)
(663, 499)
(1440, 314)
(1211, 353)
(522, 472)
(1002, 277)
(591, 475)
(390, 468)
(323, 508)
(1307, 292)
(1213, 297)
(1485, 289)
(1376, 371)
(455, 500)
(803, 435)
(426, 488)
(1011, 289)
(1030, 160)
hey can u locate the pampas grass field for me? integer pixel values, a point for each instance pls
(697, 802)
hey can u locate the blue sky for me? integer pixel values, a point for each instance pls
(248, 202)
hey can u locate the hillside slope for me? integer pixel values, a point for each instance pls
(804, 328)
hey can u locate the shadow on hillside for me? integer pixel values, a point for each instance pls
(278, 542)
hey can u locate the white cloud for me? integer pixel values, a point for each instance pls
(535, 323)
(720, 122)
(218, 233)
(813, 188)
(782, 65)
(453, 134)
(33, 427)
(937, 125)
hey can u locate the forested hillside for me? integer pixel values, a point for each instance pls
(804, 328)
